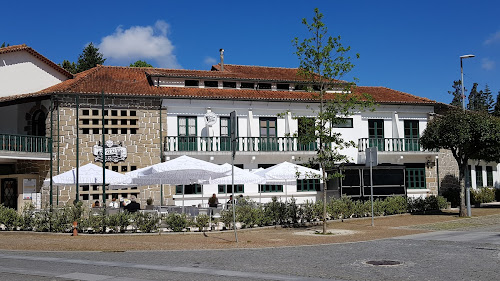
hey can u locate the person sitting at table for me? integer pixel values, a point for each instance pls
(230, 202)
(95, 204)
(213, 201)
(113, 204)
(133, 206)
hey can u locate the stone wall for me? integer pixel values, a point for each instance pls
(133, 123)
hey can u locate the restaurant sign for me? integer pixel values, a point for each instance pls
(113, 152)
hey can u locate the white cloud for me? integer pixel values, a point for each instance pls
(487, 64)
(140, 42)
(493, 38)
(210, 61)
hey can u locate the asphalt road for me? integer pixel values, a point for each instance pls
(442, 255)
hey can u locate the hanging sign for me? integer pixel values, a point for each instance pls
(114, 152)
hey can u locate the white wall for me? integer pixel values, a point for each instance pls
(20, 73)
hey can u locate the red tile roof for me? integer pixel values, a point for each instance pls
(23, 47)
(130, 81)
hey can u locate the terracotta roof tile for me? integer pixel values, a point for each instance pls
(131, 81)
(23, 47)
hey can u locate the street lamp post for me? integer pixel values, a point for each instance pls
(463, 105)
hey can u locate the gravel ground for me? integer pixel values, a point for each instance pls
(351, 230)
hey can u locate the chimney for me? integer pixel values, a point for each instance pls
(221, 59)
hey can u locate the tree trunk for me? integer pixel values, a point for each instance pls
(461, 179)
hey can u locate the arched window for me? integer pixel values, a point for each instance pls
(38, 123)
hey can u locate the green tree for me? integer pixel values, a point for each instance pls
(488, 99)
(323, 61)
(457, 93)
(89, 58)
(68, 66)
(3, 45)
(496, 109)
(468, 135)
(140, 63)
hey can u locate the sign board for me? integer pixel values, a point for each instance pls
(114, 152)
(371, 156)
(233, 131)
(210, 118)
(29, 187)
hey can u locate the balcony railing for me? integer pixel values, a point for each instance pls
(23, 143)
(284, 144)
(390, 144)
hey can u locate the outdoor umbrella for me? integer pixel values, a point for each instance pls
(88, 174)
(179, 171)
(240, 177)
(286, 172)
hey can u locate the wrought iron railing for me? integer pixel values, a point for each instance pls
(390, 144)
(24, 143)
(176, 143)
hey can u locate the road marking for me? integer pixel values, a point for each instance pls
(180, 269)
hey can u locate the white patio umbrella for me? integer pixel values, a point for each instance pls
(179, 171)
(240, 177)
(286, 172)
(88, 174)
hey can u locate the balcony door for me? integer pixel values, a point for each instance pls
(187, 133)
(268, 134)
(376, 133)
(225, 134)
(411, 136)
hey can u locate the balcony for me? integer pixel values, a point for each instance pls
(244, 144)
(24, 147)
(391, 144)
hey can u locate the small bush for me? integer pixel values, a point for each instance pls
(482, 195)
(177, 222)
(202, 221)
(147, 222)
(9, 218)
(395, 205)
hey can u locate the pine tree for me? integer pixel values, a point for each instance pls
(488, 99)
(89, 58)
(474, 99)
(68, 66)
(457, 93)
(496, 109)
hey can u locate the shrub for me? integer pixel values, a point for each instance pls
(147, 222)
(42, 221)
(482, 195)
(275, 210)
(9, 218)
(227, 218)
(307, 211)
(202, 221)
(119, 222)
(177, 222)
(395, 205)
(292, 211)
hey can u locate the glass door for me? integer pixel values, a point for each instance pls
(411, 136)
(187, 134)
(268, 139)
(376, 134)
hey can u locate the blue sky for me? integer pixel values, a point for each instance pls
(410, 46)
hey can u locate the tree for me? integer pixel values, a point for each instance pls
(488, 99)
(68, 66)
(496, 109)
(140, 63)
(468, 135)
(323, 61)
(89, 58)
(457, 93)
(481, 101)
(3, 45)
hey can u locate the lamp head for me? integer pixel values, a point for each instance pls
(467, 56)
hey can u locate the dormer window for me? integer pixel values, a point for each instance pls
(211, 84)
(283, 87)
(247, 85)
(192, 83)
(264, 86)
(229, 84)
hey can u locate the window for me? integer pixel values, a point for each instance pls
(308, 185)
(306, 133)
(268, 130)
(376, 133)
(188, 189)
(187, 133)
(228, 84)
(489, 176)
(211, 84)
(415, 178)
(192, 83)
(270, 188)
(246, 85)
(411, 136)
(479, 176)
(343, 123)
(238, 188)
(264, 86)
(127, 120)
(283, 87)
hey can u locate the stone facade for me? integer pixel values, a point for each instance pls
(132, 123)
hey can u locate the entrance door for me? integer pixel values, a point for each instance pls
(411, 136)
(376, 133)
(268, 140)
(9, 193)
